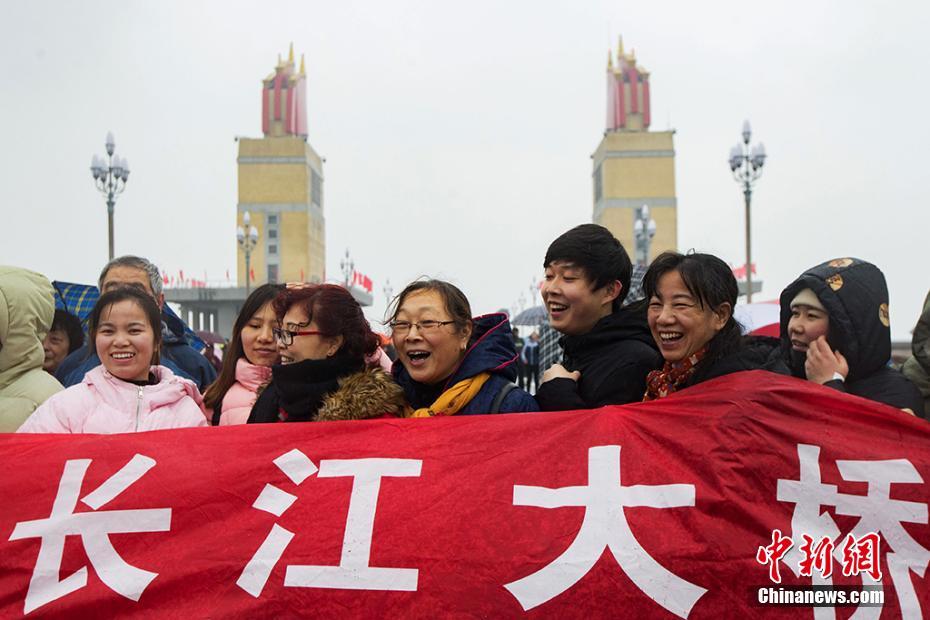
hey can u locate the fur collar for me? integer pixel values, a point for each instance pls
(371, 393)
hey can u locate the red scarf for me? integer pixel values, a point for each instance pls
(660, 383)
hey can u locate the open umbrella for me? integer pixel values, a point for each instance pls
(531, 316)
(210, 337)
(79, 300)
(759, 319)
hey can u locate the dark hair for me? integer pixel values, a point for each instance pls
(141, 299)
(597, 253)
(711, 282)
(216, 391)
(335, 312)
(452, 298)
(71, 325)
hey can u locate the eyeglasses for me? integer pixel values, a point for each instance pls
(287, 337)
(424, 327)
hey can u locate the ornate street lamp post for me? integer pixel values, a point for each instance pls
(348, 269)
(247, 237)
(644, 229)
(746, 165)
(110, 176)
(388, 291)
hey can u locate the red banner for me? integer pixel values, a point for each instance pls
(659, 509)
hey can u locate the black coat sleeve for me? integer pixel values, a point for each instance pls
(622, 383)
(886, 386)
(560, 395)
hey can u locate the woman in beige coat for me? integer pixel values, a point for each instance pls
(27, 307)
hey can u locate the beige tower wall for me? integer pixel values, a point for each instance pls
(276, 178)
(636, 168)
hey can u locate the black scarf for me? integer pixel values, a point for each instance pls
(423, 395)
(299, 388)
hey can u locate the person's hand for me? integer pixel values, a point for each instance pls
(557, 371)
(823, 362)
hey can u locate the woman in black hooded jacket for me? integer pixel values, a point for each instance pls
(835, 331)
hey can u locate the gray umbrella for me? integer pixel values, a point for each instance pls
(531, 316)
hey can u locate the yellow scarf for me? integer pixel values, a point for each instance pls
(452, 400)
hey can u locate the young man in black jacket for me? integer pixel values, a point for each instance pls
(607, 350)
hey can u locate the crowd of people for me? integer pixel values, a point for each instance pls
(305, 352)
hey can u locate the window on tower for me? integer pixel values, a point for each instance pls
(272, 219)
(316, 188)
(272, 250)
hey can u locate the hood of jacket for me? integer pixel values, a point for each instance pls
(370, 393)
(168, 391)
(491, 350)
(27, 307)
(628, 323)
(855, 296)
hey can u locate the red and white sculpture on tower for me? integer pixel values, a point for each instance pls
(284, 99)
(627, 92)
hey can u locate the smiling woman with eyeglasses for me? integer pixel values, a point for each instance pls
(450, 363)
(324, 340)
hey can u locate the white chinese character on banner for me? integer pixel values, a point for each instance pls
(94, 529)
(878, 513)
(353, 571)
(605, 526)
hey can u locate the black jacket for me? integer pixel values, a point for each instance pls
(614, 359)
(855, 296)
(754, 353)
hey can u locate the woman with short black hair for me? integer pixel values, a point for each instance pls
(691, 300)
(64, 337)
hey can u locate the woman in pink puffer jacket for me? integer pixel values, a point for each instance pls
(128, 392)
(247, 360)
(103, 403)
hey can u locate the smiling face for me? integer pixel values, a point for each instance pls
(125, 341)
(55, 345)
(258, 342)
(429, 356)
(806, 325)
(306, 347)
(573, 307)
(679, 324)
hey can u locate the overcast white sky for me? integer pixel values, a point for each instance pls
(458, 135)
